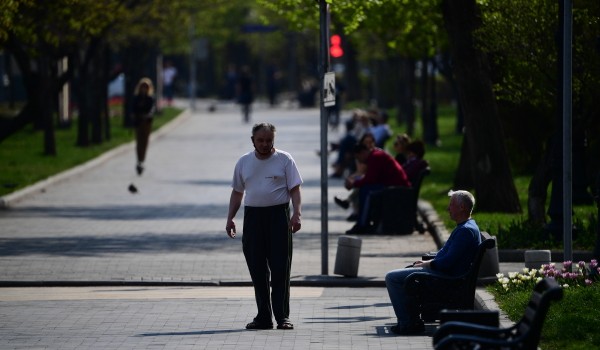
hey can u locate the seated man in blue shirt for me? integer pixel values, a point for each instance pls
(453, 259)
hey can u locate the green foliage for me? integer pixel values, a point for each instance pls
(378, 28)
(9, 13)
(520, 36)
(522, 40)
(68, 23)
(519, 233)
(24, 164)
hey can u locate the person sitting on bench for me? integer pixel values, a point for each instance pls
(382, 171)
(415, 163)
(453, 259)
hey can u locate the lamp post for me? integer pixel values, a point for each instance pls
(561, 200)
(324, 68)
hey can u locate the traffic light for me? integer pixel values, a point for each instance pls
(335, 50)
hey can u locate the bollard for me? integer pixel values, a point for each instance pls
(347, 256)
(490, 264)
(534, 259)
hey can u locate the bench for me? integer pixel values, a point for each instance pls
(431, 294)
(525, 334)
(396, 207)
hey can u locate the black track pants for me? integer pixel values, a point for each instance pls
(267, 245)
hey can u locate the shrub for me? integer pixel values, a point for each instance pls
(520, 233)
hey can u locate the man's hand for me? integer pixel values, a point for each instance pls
(349, 183)
(295, 223)
(423, 264)
(230, 228)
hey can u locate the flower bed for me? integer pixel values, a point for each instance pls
(570, 275)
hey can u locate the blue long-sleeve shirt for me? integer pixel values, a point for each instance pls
(458, 252)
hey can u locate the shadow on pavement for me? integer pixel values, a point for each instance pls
(124, 212)
(99, 246)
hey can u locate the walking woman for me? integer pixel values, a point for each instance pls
(143, 111)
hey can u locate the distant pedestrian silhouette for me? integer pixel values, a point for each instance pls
(245, 92)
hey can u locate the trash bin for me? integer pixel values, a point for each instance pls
(347, 256)
(534, 259)
(490, 264)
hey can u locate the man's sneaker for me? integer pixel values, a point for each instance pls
(353, 217)
(344, 203)
(360, 230)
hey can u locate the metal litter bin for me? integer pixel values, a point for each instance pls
(534, 259)
(490, 264)
(347, 256)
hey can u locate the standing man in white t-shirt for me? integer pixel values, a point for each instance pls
(270, 178)
(169, 73)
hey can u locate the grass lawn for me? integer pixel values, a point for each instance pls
(572, 321)
(23, 163)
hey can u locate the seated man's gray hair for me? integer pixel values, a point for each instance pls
(465, 197)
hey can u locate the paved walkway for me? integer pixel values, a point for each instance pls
(156, 269)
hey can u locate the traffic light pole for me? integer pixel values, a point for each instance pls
(324, 68)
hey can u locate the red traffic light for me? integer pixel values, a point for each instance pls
(335, 50)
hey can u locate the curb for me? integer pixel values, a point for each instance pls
(518, 255)
(8, 200)
(308, 281)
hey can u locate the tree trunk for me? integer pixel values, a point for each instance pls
(352, 84)
(445, 69)
(387, 83)
(463, 178)
(431, 133)
(104, 93)
(538, 189)
(407, 94)
(81, 85)
(97, 71)
(424, 94)
(493, 182)
(44, 94)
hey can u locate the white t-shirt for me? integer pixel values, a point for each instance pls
(169, 74)
(267, 182)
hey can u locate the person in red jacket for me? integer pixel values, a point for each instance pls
(382, 171)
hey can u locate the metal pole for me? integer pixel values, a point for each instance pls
(192, 84)
(567, 133)
(596, 254)
(323, 68)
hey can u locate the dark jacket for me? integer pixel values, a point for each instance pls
(458, 252)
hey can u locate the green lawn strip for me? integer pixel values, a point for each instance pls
(571, 323)
(22, 161)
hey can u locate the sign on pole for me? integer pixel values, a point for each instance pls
(329, 89)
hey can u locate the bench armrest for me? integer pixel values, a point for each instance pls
(455, 328)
